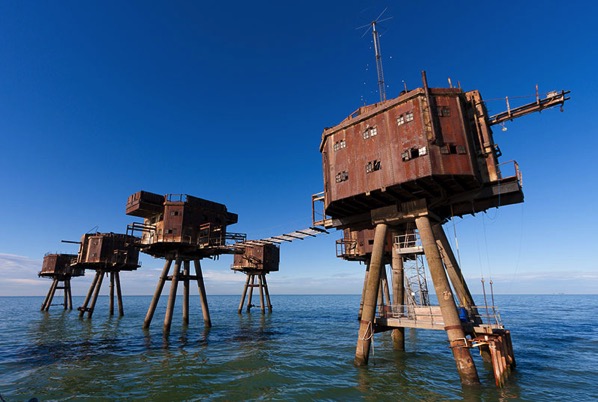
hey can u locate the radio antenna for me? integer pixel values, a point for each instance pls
(379, 69)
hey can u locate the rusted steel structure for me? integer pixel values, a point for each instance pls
(59, 268)
(107, 254)
(257, 258)
(181, 228)
(256, 262)
(414, 162)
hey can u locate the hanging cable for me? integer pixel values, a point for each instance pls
(485, 300)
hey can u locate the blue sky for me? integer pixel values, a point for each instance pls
(227, 101)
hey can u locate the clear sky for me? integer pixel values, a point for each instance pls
(227, 101)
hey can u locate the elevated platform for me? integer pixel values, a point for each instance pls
(430, 317)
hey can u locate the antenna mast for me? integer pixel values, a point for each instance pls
(381, 86)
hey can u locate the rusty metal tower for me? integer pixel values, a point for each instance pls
(107, 254)
(414, 162)
(59, 268)
(257, 258)
(181, 228)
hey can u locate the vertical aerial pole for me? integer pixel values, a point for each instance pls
(381, 89)
(398, 296)
(453, 327)
(366, 324)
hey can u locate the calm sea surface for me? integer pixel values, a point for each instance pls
(302, 351)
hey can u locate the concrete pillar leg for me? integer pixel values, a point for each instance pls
(251, 286)
(398, 296)
(111, 308)
(186, 270)
(154, 303)
(202, 295)
(366, 325)
(96, 293)
(119, 295)
(67, 287)
(267, 292)
(452, 267)
(453, 327)
(244, 294)
(260, 279)
(458, 282)
(89, 294)
(65, 295)
(174, 284)
(365, 283)
(386, 287)
(48, 301)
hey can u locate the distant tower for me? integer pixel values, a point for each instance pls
(107, 254)
(257, 260)
(59, 268)
(181, 228)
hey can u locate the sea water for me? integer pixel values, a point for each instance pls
(303, 351)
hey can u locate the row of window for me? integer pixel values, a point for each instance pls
(407, 117)
(342, 176)
(370, 132)
(370, 167)
(444, 111)
(411, 153)
(339, 145)
(404, 118)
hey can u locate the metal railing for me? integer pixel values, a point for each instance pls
(432, 315)
(346, 248)
(512, 170)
